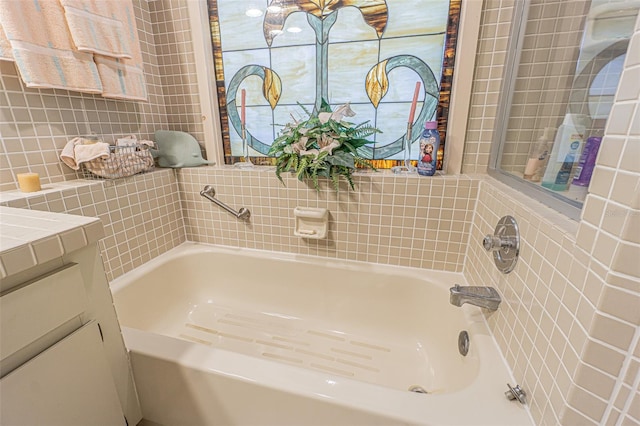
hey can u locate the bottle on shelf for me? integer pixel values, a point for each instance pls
(429, 143)
(539, 155)
(587, 161)
(565, 153)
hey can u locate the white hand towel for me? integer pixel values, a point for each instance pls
(85, 153)
(76, 152)
(68, 155)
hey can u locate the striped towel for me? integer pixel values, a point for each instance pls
(124, 78)
(5, 47)
(96, 27)
(43, 49)
(121, 79)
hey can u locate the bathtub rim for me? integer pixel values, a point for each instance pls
(485, 392)
(434, 276)
(483, 401)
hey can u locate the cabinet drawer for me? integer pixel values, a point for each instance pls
(37, 307)
(69, 384)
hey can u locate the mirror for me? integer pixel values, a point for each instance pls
(565, 63)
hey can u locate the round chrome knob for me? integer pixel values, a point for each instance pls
(504, 244)
(492, 243)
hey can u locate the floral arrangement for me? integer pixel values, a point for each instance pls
(323, 145)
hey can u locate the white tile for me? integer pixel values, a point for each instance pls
(630, 160)
(18, 260)
(73, 240)
(633, 52)
(629, 88)
(94, 231)
(619, 120)
(47, 249)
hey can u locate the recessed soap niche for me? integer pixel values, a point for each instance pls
(311, 222)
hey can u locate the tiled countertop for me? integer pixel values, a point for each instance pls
(31, 237)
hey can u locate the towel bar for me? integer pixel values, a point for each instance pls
(209, 193)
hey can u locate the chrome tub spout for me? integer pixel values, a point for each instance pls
(484, 297)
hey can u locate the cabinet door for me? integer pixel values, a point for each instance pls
(68, 384)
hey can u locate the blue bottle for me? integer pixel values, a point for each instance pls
(429, 143)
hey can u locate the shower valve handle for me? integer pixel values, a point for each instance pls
(497, 242)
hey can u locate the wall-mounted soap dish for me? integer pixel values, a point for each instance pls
(311, 222)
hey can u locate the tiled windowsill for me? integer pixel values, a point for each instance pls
(6, 196)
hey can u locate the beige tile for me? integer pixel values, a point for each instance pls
(593, 209)
(626, 184)
(604, 248)
(615, 216)
(626, 258)
(585, 237)
(620, 304)
(612, 331)
(603, 357)
(632, 372)
(601, 181)
(631, 229)
(587, 404)
(613, 153)
(595, 381)
(623, 281)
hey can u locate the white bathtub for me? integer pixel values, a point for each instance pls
(223, 336)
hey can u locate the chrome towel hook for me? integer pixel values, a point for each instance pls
(209, 193)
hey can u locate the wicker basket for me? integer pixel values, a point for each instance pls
(123, 161)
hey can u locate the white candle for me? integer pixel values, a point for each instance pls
(29, 182)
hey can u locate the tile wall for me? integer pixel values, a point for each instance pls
(141, 215)
(408, 221)
(176, 59)
(35, 124)
(569, 325)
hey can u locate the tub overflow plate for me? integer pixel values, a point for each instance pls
(463, 343)
(417, 389)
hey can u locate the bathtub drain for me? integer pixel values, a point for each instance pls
(417, 389)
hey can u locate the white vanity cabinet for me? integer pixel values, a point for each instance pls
(62, 358)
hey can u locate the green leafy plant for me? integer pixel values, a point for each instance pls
(323, 145)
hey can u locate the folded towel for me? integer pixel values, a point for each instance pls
(121, 78)
(96, 28)
(43, 49)
(68, 155)
(124, 78)
(85, 153)
(5, 46)
(129, 140)
(78, 151)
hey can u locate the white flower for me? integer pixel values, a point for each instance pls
(301, 145)
(327, 143)
(337, 115)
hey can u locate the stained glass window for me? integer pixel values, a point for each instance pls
(370, 53)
